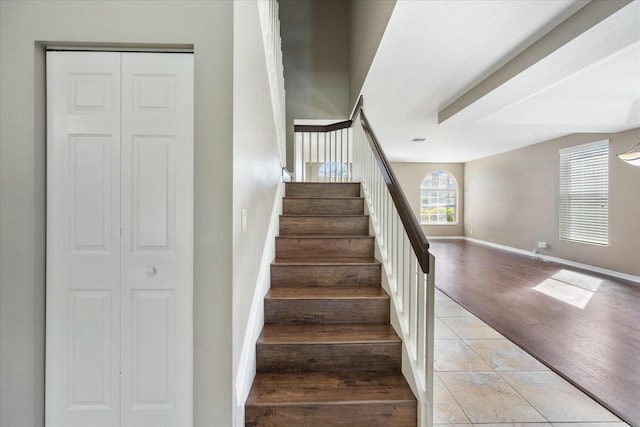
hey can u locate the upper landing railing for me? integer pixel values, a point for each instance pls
(350, 151)
(333, 153)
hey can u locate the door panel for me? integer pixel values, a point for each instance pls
(153, 224)
(157, 239)
(119, 239)
(89, 364)
(83, 242)
(90, 179)
(153, 367)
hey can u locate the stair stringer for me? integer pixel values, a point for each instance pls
(246, 371)
(409, 368)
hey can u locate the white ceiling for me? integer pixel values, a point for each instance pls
(448, 58)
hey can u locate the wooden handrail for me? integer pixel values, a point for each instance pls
(323, 128)
(333, 126)
(418, 240)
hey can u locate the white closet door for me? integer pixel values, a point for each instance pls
(119, 239)
(157, 239)
(83, 240)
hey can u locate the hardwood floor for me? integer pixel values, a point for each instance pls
(596, 347)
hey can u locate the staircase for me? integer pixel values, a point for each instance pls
(327, 355)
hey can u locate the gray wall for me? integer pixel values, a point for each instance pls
(256, 176)
(315, 48)
(25, 26)
(328, 47)
(410, 176)
(369, 19)
(512, 199)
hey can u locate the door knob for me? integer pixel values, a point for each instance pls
(151, 271)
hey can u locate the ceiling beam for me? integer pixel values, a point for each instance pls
(485, 98)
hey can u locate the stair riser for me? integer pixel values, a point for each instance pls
(291, 247)
(293, 311)
(325, 275)
(294, 189)
(380, 358)
(374, 414)
(322, 206)
(355, 226)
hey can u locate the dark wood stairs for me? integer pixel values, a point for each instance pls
(327, 355)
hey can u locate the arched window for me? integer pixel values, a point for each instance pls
(439, 198)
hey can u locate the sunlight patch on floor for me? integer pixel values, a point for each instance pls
(570, 287)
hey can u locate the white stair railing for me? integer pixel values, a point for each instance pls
(270, 23)
(409, 267)
(323, 153)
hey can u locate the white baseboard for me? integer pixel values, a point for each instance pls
(499, 246)
(247, 363)
(563, 261)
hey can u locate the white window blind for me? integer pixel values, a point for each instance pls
(584, 193)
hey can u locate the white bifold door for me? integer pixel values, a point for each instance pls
(119, 347)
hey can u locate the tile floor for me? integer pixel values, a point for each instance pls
(483, 379)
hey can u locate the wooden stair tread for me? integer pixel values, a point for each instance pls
(328, 333)
(327, 292)
(322, 183)
(326, 261)
(325, 198)
(323, 206)
(307, 246)
(326, 236)
(320, 235)
(321, 188)
(323, 216)
(328, 389)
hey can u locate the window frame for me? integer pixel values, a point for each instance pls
(438, 190)
(578, 205)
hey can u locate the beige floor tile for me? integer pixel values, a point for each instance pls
(555, 398)
(442, 331)
(445, 409)
(455, 355)
(451, 309)
(471, 328)
(503, 355)
(514, 425)
(486, 398)
(517, 394)
(441, 296)
(610, 424)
